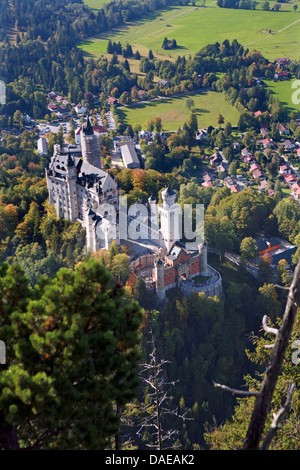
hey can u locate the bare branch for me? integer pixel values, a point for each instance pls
(267, 328)
(281, 287)
(234, 391)
(277, 417)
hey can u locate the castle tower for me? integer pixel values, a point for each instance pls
(203, 259)
(90, 145)
(170, 218)
(88, 219)
(160, 279)
(72, 190)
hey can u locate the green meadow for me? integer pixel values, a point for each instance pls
(174, 113)
(96, 4)
(275, 34)
(284, 91)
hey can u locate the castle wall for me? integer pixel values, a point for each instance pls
(211, 288)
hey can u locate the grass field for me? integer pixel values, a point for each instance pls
(195, 26)
(284, 92)
(96, 4)
(174, 113)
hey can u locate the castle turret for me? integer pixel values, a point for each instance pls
(170, 219)
(90, 145)
(71, 189)
(203, 259)
(169, 197)
(160, 278)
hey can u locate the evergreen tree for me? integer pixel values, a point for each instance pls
(71, 358)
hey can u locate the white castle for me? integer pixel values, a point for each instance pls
(81, 191)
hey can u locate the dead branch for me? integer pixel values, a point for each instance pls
(268, 329)
(277, 417)
(234, 391)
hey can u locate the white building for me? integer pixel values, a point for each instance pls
(170, 221)
(80, 109)
(42, 146)
(129, 156)
(82, 192)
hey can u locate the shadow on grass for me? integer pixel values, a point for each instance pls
(200, 110)
(152, 16)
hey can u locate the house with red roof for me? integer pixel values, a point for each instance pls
(289, 178)
(283, 130)
(295, 191)
(256, 174)
(112, 100)
(235, 188)
(284, 169)
(207, 184)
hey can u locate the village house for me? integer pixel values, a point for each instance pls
(59, 98)
(275, 249)
(216, 158)
(248, 159)
(284, 169)
(98, 130)
(281, 76)
(207, 176)
(295, 191)
(57, 109)
(282, 62)
(257, 174)
(163, 82)
(235, 188)
(207, 184)
(42, 146)
(263, 185)
(289, 178)
(288, 145)
(283, 130)
(201, 134)
(264, 131)
(271, 192)
(246, 153)
(266, 143)
(222, 168)
(142, 94)
(112, 100)
(129, 156)
(230, 182)
(255, 166)
(80, 109)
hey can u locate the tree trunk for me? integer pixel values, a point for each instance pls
(8, 436)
